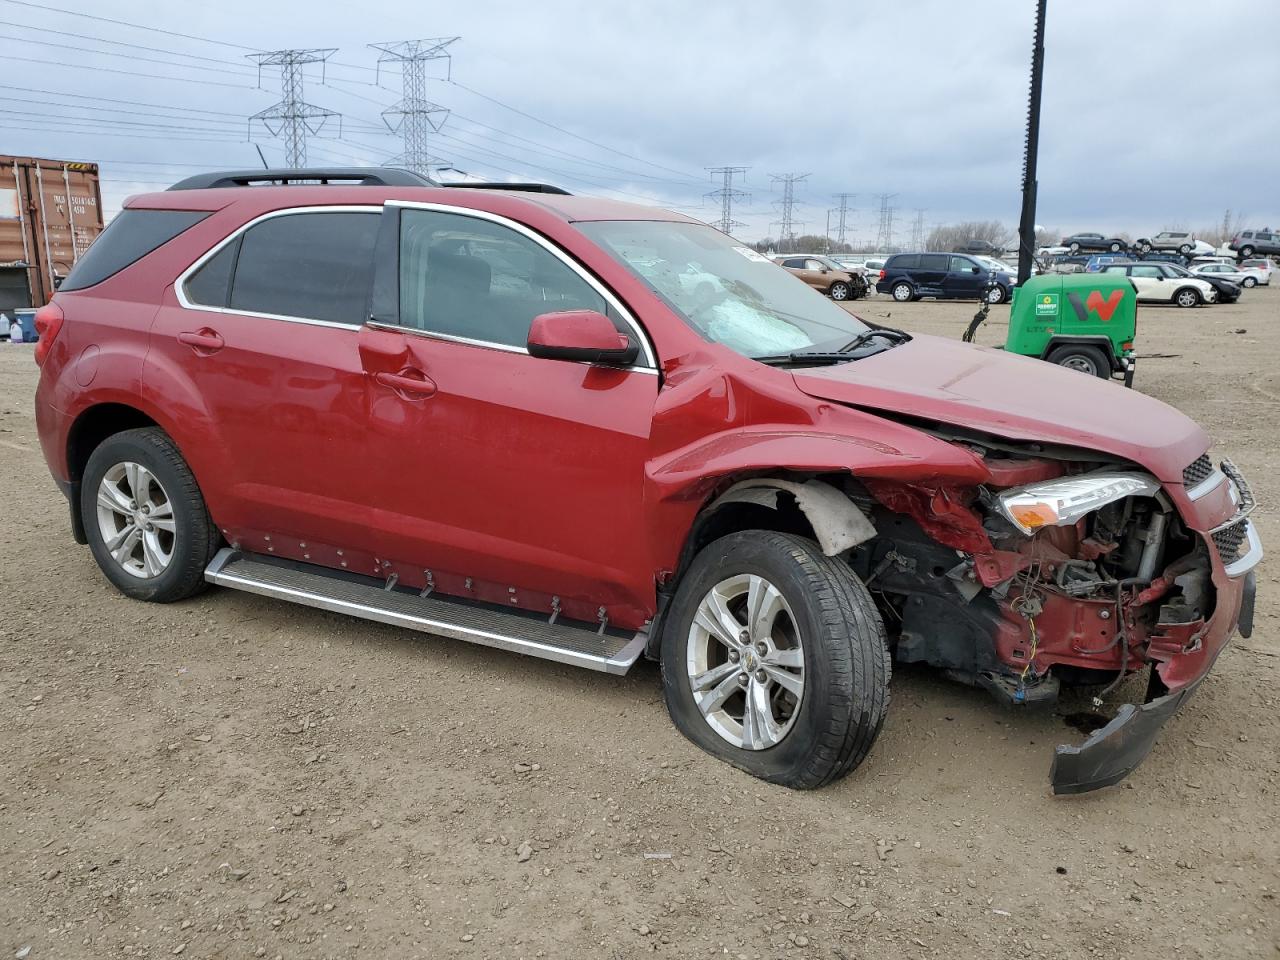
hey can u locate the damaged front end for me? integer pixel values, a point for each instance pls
(1065, 572)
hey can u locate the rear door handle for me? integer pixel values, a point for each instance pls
(203, 341)
(409, 384)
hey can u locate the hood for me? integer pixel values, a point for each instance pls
(1017, 398)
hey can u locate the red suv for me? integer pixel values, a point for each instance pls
(591, 431)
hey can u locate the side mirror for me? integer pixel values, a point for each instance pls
(825, 270)
(975, 269)
(581, 335)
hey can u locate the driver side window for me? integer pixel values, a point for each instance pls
(462, 276)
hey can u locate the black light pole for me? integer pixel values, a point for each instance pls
(1027, 225)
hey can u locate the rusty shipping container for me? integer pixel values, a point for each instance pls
(50, 211)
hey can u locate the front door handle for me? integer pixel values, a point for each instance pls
(203, 341)
(409, 383)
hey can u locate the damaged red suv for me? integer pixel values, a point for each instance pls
(591, 432)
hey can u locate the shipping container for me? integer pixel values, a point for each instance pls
(50, 211)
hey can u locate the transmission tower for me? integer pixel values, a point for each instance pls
(414, 116)
(844, 210)
(726, 195)
(884, 236)
(917, 230)
(293, 118)
(786, 207)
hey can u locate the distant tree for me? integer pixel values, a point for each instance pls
(808, 243)
(956, 236)
(1219, 233)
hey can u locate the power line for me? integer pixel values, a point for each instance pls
(81, 15)
(293, 116)
(414, 115)
(46, 62)
(844, 210)
(884, 235)
(786, 206)
(726, 195)
(133, 57)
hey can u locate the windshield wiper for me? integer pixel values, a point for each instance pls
(894, 337)
(817, 358)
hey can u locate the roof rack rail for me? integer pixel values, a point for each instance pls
(496, 185)
(351, 176)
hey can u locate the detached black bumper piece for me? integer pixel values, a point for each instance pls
(1115, 751)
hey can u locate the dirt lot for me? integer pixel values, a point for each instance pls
(235, 777)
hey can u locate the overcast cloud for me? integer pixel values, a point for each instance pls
(1155, 115)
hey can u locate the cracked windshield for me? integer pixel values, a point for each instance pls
(728, 292)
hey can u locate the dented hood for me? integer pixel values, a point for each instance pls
(1014, 397)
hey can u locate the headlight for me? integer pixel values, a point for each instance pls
(1060, 503)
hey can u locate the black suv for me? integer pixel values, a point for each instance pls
(955, 276)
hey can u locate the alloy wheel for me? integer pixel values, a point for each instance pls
(135, 520)
(745, 662)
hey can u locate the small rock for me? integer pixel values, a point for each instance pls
(179, 948)
(524, 852)
(203, 738)
(328, 908)
(286, 896)
(643, 930)
(523, 768)
(466, 937)
(802, 941)
(1127, 848)
(297, 810)
(375, 823)
(846, 902)
(51, 873)
(238, 874)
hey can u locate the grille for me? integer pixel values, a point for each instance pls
(1198, 471)
(1229, 540)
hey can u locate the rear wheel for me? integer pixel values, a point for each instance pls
(1074, 248)
(1144, 246)
(902, 292)
(774, 659)
(1187, 297)
(840, 290)
(1083, 358)
(1245, 252)
(146, 521)
(1184, 249)
(995, 294)
(1250, 282)
(1115, 247)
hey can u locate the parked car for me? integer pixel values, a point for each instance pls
(1225, 290)
(824, 274)
(1181, 241)
(1078, 242)
(1161, 283)
(952, 276)
(1263, 265)
(506, 418)
(1244, 277)
(1248, 242)
(980, 248)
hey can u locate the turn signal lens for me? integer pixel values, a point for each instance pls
(1060, 503)
(1032, 516)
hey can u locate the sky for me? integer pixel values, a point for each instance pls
(1154, 116)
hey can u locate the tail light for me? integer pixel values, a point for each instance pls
(48, 322)
(881, 275)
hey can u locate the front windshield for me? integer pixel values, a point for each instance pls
(727, 292)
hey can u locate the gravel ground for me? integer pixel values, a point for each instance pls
(234, 777)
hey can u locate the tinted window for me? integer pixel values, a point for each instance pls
(210, 285)
(317, 266)
(962, 265)
(907, 261)
(467, 277)
(795, 263)
(933, 261)
(128, 238)
(1151, 271)
(1114, 269)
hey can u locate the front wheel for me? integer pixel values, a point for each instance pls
(1144, 246)
(774, 659)
(995, 294)
(146, 520)
(1185, 250)
(1250, 282)
(1115, 247)
(1245, 252)
(902, 292)
(1187, 297)
(1082, 358)
(1074, 248)
(840, 290)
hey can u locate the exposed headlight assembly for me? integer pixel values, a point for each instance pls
(1060, 503)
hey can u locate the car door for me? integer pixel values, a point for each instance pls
(261, 336)
(964, 278)
(1150, 282)
(501, 476)
(931, 275)
(815, 273)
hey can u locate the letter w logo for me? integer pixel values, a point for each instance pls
(1105, 308)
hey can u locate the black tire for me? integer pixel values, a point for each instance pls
(1083, 358)
(1144, 246)
(1115, 247)
(1249, 282)
(996, 295)
(1074, 248)
(1185, 249)
(1244, 253)
(195, 539)
(846, 660)
(903, 291)
(840, 291)
(1187, 297)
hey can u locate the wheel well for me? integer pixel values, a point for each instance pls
(95, 425)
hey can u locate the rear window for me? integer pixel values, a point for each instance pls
(904, 261)
(128, 238)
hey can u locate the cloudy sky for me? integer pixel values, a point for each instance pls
(1155, 116)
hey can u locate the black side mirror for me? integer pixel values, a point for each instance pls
(975, 269)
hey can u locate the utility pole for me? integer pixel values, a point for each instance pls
(1030, 186)
(842, 224)
(414, 116)
(786, 207)
(884, 236)
(726, 195)
(293, 118)
(917, 230)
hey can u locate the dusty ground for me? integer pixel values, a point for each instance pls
(234, 777)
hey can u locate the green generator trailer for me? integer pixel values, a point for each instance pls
(1083, 321)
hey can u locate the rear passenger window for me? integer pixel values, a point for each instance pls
(466, 277)
(908, 261)
(933, 261)
(313, 266)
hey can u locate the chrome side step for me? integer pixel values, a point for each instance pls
(319, 587)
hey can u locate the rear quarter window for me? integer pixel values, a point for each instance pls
(126, 240)
(905, 261)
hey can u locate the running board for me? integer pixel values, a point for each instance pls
(314, 586)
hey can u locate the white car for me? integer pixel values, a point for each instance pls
(1160, 283)
(1245, 276)
(1175, 241)
(1264, 266)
